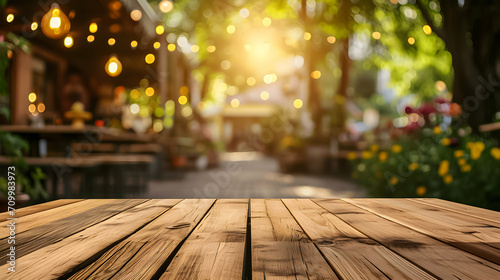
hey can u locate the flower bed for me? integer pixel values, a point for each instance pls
(435, 157)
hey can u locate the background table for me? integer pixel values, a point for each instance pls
(254, 239)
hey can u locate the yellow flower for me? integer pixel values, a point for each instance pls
(366, 154)
(462, 161)
(394, 180)
(446, 141)
(413, 166)
(459, 153)
(374, 148)
(396, 148)
(437, 130)
(444, 168)
(352, 156)
(448, 179)
(382, 156)
(466, 168)
(421, 190)
(476, 148)
(495, 152)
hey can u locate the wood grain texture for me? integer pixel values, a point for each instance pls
(47, 234)
(38, 208)
(37, 219)
(215, 249)
(352, 254)
(438, 258)
(477, 212)
(61, 258)
(280, 249)
(142, 254)
(473, 235)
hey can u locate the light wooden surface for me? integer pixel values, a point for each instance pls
(254, 239)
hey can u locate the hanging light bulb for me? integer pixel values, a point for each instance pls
(113, 66)
(55, 24)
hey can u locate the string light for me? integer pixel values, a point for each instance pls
(182, 100)
(160, 29)
(68, 41)
(93, 27)
(90, 38)
(32, 97)
(230, 29)
(133, 44)
(166, 6)
(156, 45)
(150, 91)
(136, 15)
(55, 24)
(113, 67)
(297, 103)
(10, 18)
(171, 47)
(316, 74)
(34, 26)
(150, 58)
(111, 41)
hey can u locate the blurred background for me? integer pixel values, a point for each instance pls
(236, 98)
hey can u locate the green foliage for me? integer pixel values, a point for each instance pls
(430, 162)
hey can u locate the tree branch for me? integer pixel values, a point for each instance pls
(427, 18)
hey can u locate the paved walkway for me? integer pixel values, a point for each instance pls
(250, 175)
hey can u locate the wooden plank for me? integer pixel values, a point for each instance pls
(59, 259)
(280, 249)
(47, 234)
(38, 208)
(141, 255)
(477, 212)
(44, 217)
(438, 258)
(215, 249)
(352, 254)
(473, 235)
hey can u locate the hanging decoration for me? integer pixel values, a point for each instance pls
(113, 67)
(55, 24)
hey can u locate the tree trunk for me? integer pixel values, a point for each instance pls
(340, 97)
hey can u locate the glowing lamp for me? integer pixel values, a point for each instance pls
(55, 24)
(113, 67)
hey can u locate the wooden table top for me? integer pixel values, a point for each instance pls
(254, 239)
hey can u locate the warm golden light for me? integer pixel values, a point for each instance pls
(166, 6)
(182, 100)
(93, 27)
(32, 108)
(160, 29)
(251, 81)
(68, 41)
(156, 45)
(111, 41)
(316, 74)
(307, 36)
(133, 44)
(230, 29)
(150, 58)
(235, 103)
(55, 24)
(440, 85)
(195, 48)
(411, 40)
(268, 79)
(10, 18)
(150, 91)
(266, 21)
(41, 107)
(427, 29)
(136, 15)
(157, 126)
(113, 67)
(34, 26)
(264, 95)
(331, 39)
(184, 90)
(376, 35)
(211, 49)
(32, 97)
(171, 47)
(297, 103)
(134, 93)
